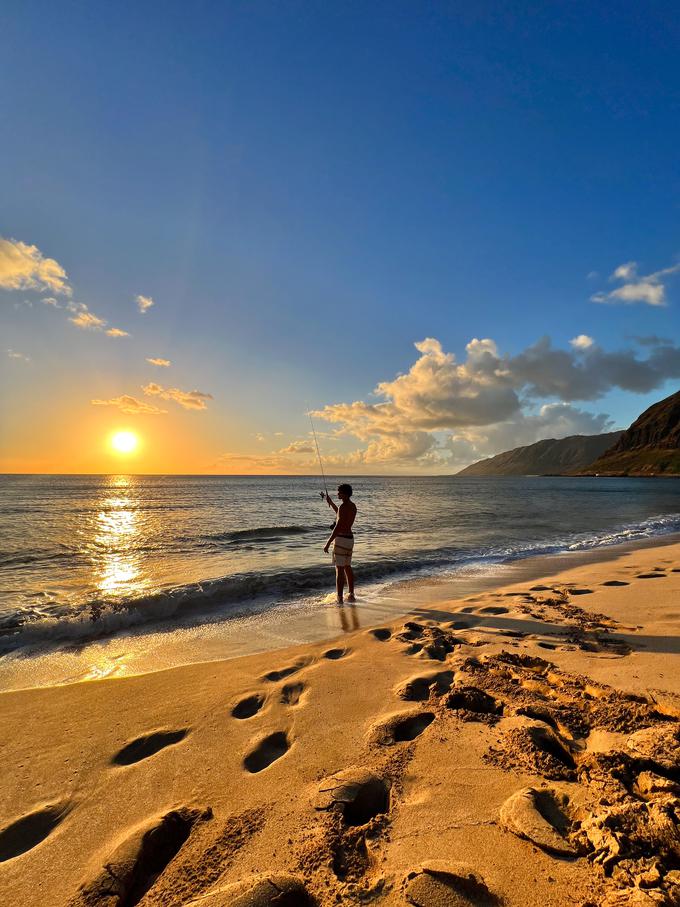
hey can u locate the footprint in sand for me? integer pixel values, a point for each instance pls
(267, 891)
(335, 654)
(358, 793)
(291, 693)
(436, 885)
(615, 582)
(27, 832)
(538, 816)
(137, 863)
(473, 704)
(273, 676)
(494, 609)
(267, 751)
(401, 728)
(148, 745)
(418, 689)
(249, 706)
(580, 592)
(650, 576)
(459, 625)
(382, 634)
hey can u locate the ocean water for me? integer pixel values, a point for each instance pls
(83, 557)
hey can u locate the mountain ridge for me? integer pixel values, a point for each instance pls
(548, 456)
(651, 446)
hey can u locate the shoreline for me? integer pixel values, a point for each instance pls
(152, 648)
(481, 737)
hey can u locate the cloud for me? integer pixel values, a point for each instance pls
(543, 371)
(144, 303)
(651, 340)
(625, 272)
(277, 463)
(297, 447)
(436, 393)
(490, 402)
(186, 399)
(50, 300)
(582, 342)
(24, 267)
(83, 318)
(649, 289)
(161, 363)
(13, 354)
(131, 406)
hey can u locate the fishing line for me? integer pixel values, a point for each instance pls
(318, 453)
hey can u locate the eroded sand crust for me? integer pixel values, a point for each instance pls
(518, 748)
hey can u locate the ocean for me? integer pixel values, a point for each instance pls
(86, 557)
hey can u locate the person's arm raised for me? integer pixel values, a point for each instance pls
(331, 503)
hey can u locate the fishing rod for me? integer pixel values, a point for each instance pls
(318, 453)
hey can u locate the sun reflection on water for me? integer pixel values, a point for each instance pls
(116, 539)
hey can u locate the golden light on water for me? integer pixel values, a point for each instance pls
(124, 442)
(116, 538)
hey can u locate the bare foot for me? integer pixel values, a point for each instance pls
(351, 598)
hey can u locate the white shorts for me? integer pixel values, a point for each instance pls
(342, 550)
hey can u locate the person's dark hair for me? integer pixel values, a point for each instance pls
(345, 489)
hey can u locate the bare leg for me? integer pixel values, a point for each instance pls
(350, 583)
(339, 581)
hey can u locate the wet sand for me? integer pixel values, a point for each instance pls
(519, 746)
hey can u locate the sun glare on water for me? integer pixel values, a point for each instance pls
(124, 442)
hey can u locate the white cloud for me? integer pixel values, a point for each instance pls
(161, 363)
(582, 342)
(131, 406)
(13, 354)
(625, 272)
(50, 300)
(24, 267)
(144, 303)
(649, 289)
(116, 332)
(490, 402)
(186, 399)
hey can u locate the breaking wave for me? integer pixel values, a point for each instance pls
(243, 593)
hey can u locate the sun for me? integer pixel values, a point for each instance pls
(124, 442)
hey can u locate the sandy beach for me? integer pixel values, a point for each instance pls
(517, 747)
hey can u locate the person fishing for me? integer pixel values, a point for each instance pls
(342, 539)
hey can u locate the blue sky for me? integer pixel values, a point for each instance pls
(305, 190)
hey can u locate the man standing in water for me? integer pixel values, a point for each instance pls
(343, 541)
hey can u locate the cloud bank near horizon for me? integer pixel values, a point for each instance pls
(446, 413)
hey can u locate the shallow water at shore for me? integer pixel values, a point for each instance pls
(132, 565)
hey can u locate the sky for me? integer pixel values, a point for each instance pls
(445, 229)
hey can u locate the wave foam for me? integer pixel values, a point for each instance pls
(244, 593)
